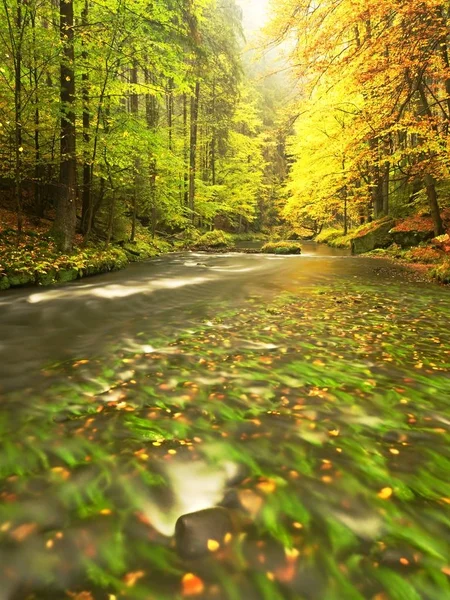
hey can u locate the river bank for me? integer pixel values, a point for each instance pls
(408, 242)
(302, 400)
(33, 259)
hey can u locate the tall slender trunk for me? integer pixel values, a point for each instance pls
(38, 197)
(152, 118)
(430, 183)
(195, 100)
(87, 168)
(65, 221)
(134, 109)
(170, 107)
(18, 113)
(185, 153)
(385, 187)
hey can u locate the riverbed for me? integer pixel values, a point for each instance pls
(307, 396)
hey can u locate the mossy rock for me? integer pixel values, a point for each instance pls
(66, 275)
(214, 239)
(376, 236)
(406, 239)
(282, 248)
(4, 283)
(46, 278)
(18, 278)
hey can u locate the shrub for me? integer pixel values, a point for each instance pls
(442, 272)
(282, 248)
(423, 255)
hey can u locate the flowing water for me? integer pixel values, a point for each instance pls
(307, 396)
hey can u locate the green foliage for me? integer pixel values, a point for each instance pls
(442, 272)
(282, 248)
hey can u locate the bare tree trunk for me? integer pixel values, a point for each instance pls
(87, 168)
(428, 179)
(65, 221)
(193, 148)
(134, 109)
(185, 153)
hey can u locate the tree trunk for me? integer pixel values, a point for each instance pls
(430, 185)
(134, 109)
(193, 148)
(385, 187)
(87, 168)
(170, 113)
(185, 153)
(65, 221)
(18, 114)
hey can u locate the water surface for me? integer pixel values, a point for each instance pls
(308, 395)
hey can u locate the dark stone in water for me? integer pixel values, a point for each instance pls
(199, 533)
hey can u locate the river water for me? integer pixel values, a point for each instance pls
(308, 396)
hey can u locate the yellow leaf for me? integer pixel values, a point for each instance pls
(213, 545)
(385, 493)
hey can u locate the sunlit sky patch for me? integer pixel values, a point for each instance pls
(255, 13)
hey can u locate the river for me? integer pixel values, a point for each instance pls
(308, 396)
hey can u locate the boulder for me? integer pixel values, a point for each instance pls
(18, 278)
(197, 534)
(377, 235)
(66, 275)
(406, 239)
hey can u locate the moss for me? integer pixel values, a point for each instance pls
(328, 235)
(4, 282)
(343, 241)
(139, 250)
(372, 236)
(20, 278)
(282, 248)
(46, 277)
(249, 237)
(66, 275)
(214, 239)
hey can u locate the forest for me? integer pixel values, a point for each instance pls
(224, 258)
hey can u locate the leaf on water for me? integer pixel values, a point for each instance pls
(385, 493)
(192, 585)
(213, 545)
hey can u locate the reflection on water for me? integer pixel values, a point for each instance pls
(306, 396)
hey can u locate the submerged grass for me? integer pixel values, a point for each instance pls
(334, 403)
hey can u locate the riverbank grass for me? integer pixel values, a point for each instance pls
(33, 259)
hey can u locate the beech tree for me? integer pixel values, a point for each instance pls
(373, 104)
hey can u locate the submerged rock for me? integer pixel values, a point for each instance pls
(200, 533)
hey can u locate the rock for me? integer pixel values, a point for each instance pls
(406, 239)
(66, 275)
(17, 278)
(197, 534)
(376, 236)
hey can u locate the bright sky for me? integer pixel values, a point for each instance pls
(255, 13)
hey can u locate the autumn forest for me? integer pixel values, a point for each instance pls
(224, 269)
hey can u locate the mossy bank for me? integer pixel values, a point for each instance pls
(32, 259)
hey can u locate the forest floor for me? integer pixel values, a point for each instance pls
(33, 259)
